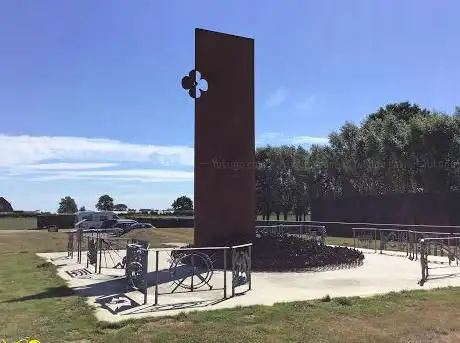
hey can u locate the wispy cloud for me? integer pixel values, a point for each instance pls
(143, 175)
(308, 140)
(278, 138)
(79, 158)
(20, 150)
(277, 98)
(68, 166)
(269, 138)
(62, 158)
(308, 104)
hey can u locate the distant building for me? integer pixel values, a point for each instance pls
(5, 206)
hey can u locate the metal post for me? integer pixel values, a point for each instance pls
(250, 267)
(233, 271)
(193, 272)
(354, 238)
(449, 253)
(100, 255)
(95, 262)
(157, 255)
(422, 259)
(381, 240)
(375, 240)
(87, 246)
(145, 252)
(225, 273)
(456, 250)
(407, 248)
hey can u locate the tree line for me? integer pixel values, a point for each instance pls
(400, 148)
(68, 205)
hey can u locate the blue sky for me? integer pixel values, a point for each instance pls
(90, 96)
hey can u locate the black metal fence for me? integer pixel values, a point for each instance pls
(448, 246)
(176, 270)
(407, 241)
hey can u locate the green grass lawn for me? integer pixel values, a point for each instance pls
(18, 223)
(50, 312)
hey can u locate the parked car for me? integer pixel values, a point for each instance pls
(142, 226)
(117, 226)
(93, 219)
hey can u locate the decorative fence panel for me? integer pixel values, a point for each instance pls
(136, 269)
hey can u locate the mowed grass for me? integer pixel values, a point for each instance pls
(35, 302)
(18, 223)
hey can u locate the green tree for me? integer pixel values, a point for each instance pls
(182, 203)
(83, 208)
(401, 148)
(67, 205)
(105, 203)
(120, 207)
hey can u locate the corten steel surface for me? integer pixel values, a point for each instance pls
(224, 133)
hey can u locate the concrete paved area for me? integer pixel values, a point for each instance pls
(380, 273)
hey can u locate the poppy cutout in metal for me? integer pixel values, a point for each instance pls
(195, 84)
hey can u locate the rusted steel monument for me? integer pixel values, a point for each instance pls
(224, 138)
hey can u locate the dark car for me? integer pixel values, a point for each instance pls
(142, 226)
(118, 227)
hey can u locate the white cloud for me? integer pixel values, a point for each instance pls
(78, 158)
(143, 175)
(269, 138)
(309, 140)
(277, 98)
(278, 138)
(309, 103)
(20, 150)
(67, 166)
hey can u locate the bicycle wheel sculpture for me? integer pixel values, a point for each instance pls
(191, 271)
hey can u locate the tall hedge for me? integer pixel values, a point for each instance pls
(62, 221)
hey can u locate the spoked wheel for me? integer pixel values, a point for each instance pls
(191, 271)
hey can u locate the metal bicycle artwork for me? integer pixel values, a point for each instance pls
(197, 265)
(189, 269)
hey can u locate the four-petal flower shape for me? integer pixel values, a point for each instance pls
(195, 84)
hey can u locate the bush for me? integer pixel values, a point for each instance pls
(61, 221)
(344, 301)
(326, 298)
(18, 214)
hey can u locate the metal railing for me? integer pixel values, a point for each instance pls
(448, 245)
(407, 241)
(182, 270)
(193, 269)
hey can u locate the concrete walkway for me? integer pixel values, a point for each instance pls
(380, 273)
